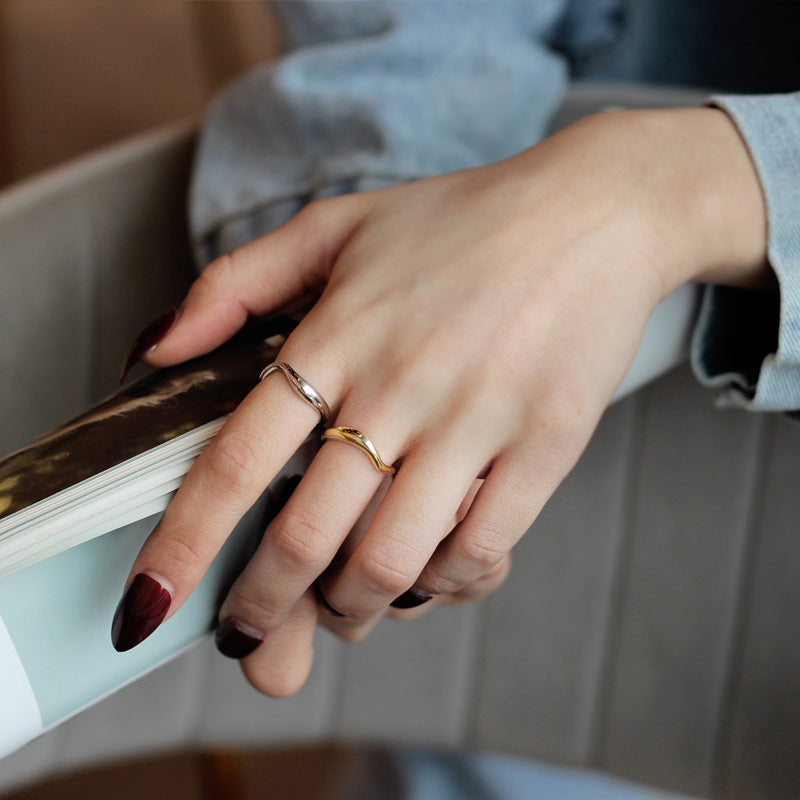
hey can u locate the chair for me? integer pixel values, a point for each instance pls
(647, 629)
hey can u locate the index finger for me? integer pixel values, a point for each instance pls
(289, 262)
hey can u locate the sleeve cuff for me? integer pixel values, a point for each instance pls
(747, 343)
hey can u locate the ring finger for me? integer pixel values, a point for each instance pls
(305, 536)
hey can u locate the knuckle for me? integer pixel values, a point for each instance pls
(256, 609)
(500, 572)
(497, 578)
(565, 421)
(410, 376)
(438, 581)
(337, 327)
(482, 552)
(310, 223)
(233, 462)
(554, 419)
(490, 580)
(391, 572)
(300, 539)
(216, 274)
(313, 213)
(181, 556)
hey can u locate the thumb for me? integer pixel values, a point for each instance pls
(291, 261)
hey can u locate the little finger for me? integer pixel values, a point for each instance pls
(475, 591)
(504, 508)
(482, 587)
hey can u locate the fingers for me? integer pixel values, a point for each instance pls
(303, 539)
(322, 524)
(473, 592)
(406, 555)
(484, 586)
(416, 514)
(279, 664)
(505, 506)
(225, 481)
(256, 279)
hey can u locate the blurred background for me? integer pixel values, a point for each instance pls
(78, 74)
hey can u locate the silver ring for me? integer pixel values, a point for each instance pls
(301, 387)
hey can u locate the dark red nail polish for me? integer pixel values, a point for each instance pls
(324, 603)
(235, 639)
(148, 339)
(411, 599)
(140, 611)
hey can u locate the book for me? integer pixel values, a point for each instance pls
(78, 503)
(76, 506)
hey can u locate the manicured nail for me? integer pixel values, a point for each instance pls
(324, 603)
(411, 599)
(140, 611)
(148, 339)
(237, 639)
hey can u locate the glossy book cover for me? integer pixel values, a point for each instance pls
(140, 417)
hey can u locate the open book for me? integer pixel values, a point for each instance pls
(75, 507)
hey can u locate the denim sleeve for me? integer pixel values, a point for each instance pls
(368, 94)
(586, 30)
(747, 343)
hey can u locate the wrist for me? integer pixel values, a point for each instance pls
(703, 199)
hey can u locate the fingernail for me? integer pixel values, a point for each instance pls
(237, 639)
(324, 603)
(140, 611)
(411, 599)
(148, 339)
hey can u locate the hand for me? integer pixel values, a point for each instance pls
(474, 324)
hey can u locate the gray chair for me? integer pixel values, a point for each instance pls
(648, 628)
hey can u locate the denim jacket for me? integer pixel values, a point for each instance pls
(745, 342)
(371, 93)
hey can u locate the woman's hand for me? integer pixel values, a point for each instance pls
(474, 326)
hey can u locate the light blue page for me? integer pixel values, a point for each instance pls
(59, 611)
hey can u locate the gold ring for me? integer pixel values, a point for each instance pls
(301, 387)
(361, 441)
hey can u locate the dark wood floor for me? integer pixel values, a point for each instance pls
(312, 773)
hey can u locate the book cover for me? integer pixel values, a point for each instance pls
(57, 602)
(121, 460)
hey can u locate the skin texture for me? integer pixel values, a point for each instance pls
(480, 318)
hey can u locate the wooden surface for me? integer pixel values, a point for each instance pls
(312, 773)
(77, 75)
